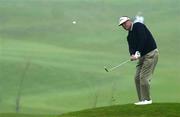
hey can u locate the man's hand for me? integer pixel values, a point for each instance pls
(133, 57)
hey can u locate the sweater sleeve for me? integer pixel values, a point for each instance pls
(131, 44)
(131, 50)
(141, 37)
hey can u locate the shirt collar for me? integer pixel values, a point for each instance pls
(131, 27)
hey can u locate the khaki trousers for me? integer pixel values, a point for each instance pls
(144, 70)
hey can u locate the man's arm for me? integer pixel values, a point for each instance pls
(140, 36)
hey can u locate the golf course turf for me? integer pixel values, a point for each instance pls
(128, 110)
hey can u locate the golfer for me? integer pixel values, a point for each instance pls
(142, 47)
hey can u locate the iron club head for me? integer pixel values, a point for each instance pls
(106, 69)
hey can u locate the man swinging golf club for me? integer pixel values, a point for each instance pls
(141, 40)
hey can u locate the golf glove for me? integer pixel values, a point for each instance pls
(137, 54)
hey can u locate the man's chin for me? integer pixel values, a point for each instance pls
(127, 29)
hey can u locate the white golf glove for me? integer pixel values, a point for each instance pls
(137, 54)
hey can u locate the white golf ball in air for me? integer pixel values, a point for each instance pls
(74, 22)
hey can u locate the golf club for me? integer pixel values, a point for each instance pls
(111, 69)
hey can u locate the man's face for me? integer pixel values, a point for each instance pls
(127, 25)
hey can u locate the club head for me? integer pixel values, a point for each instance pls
(106, 69)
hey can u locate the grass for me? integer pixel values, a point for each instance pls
(24, 115)
(128, 110)
(65, 61)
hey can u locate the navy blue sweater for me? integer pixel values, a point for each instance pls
(140, 39)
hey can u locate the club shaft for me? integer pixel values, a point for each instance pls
(119, 65)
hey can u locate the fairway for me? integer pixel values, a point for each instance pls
(51, 65)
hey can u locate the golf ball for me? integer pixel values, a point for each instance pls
(74, 22)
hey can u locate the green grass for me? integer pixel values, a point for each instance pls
(128, 110)
(24, 115)
(65, 62)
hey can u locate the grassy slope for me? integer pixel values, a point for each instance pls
(66, 61)
(128, 110)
